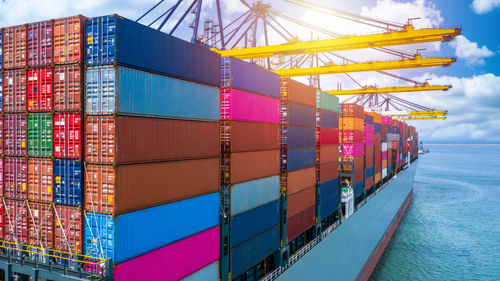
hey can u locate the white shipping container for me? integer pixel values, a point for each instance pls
(384, 146)
(384, 173)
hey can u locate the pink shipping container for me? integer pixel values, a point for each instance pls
(384, 155)
(15, 178)
(15, 221)
(1, 221)
(369, 132)
(40, 90)
(387, 120)
(14, 91)
(327, 136)
(68, 229)
(15, 134)
(67, 135)
(1, 179)
(41, 225)
(172, 262)
(242, 106)
(1, 135)
(353, 150)
(40, 45)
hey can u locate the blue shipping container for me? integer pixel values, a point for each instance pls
(329, 198)
(135, 233)
(301, 115)
(368, 172)
(301, 158)
(358, 188)
(301, 137)
(208, 273)
(251, 194)
(127, 91)
(378, 128)
(368, 119)
(68, 182)
(113, 39)
(253, 222)
(251, 252)
(249, 77)
(328, 119)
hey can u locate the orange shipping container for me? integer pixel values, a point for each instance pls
(377, 178)
(14, 47)
(301, 179)
(14, 91)
(328, 154)
(40, 173)
(246, 166)
(15, 221)
(300, 201)
(384, 164)
(377, 118)
(67, 88)
(68, 229)
(68, 39)
(41, 225)
(351, 123)
(298, 93)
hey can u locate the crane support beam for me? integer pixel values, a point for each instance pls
(366, 66)
(376, 90)
(424, 118)
(408, 35)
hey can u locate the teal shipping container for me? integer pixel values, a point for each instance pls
(251, 194)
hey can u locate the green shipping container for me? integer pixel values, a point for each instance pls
(40, 134)
(327, 101)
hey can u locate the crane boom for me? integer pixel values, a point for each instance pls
(424, 118)
(408, 35)
(418, 61)
(376, 90)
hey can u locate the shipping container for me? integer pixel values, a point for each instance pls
(68, 39)
(173, 262)
(15, 178)
(300, 158)
(14, 91)
(246, 255)
(300, 180)
(247, 225)
(127, 139)
(67, 135)
(246, 166)
(40, 45)
(127, 91)
(328, 154)
(68, 88)
(352, 137)
(40, 175)
(351, 123)
(328, 198)
(150, 229)
(300, 201)
(126, 188)
(298, 93)
(328, 119)
(208, 273)
(248, 195)
(41, 225)
(301, 222)
(1, 55)
(353, 110)
(68, 182)
(353, 150)
(328, 136)
(15, 221)
(14, 47)
(327, 102)
(113, 39)
(328, 171)
(40, 134)
(1, 182)
(299, 136)
(300, 115)
(243, 106)
(246, 136)
(1, 133)
(68, 232)
(2, 206)
(238, 74)
(358, 188)
(39, 90)
(1, 78)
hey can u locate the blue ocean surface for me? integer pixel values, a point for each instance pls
(451, 230)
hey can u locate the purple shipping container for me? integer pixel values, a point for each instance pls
(243, 106)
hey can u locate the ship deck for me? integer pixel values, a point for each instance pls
(346, 253)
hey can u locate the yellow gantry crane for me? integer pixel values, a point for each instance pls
(376, 90)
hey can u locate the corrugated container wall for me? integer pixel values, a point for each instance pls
(41, 225)
(68, 182)
(68, 40)
(68, 233)
(40, 134)
(16, 221)
(40, 174)
(68, 85)
(15, 134)
(67, 135)
(14, 47)
(39, 90)
(40, 43)
(1, 52)
(14, 91)
(15, 178)
(113, 39)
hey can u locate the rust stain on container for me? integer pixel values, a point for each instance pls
(300, 180)
(299, 93)
(300, 201)
(126, 188)
(68, 88)
(246, 166)
(246, 136)
(40, 174)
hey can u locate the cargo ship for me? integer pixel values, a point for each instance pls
(117, 165)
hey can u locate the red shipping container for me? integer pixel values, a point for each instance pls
(40, 174)
(15, 221)
(1, 178)
(40, 35)
(1, 135)
(40, 90)
(15, 134)
(68, 229)
(301, 222)
(353, 110)
(68, 39)
(328, 136)
(41, 225)
(15, 178)
(1, 221)
(14, 91)
(67, 135)
(14, 47)
(352, 136)
(67, 88)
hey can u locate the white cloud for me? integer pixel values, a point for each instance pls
(470, 51)
(484, 6)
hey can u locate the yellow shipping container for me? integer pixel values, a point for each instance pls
(351, 124)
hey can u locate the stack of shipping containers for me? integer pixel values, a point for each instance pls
(250, 169)
(369, 153)
(396, 147)
(152, 152)
(403, 142)
(377, 148)
(351, 134)
(327, 158)
(298, 161)
(385, 127)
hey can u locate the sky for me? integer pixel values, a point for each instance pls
(473, 103)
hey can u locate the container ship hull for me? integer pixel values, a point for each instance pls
(353, 249)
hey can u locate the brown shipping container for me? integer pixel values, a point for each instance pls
(328, 172)
(246, 166)
(40, 37)
(300, 223)
(1, 135)
(299, 93)
(68, 40)
(300, 201)
(40, 174)
(133, 187)
(14, 47)
(328, 154)
(68, 229)
(368, 183)
(126, 139)
(246, 136)
(41, 225)
(15, 221)
(15, 91)
(301, 179)
(68, 88)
